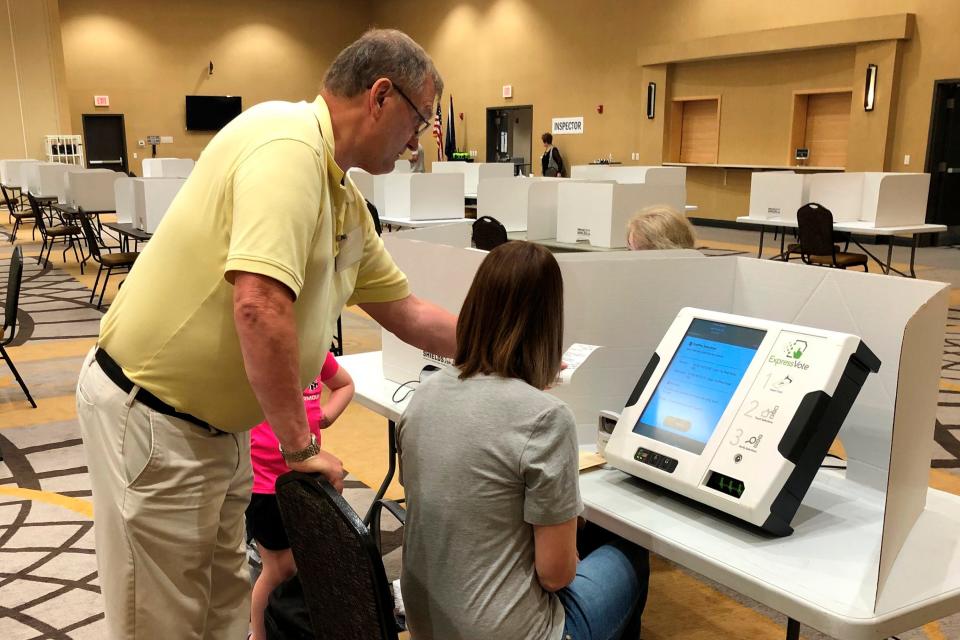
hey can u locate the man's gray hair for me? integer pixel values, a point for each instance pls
(381, 53)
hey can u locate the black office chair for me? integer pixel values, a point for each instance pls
(488, 233)
(341, 572)
(10, 307)
(17, 213)
(68, 234)
(815, 228)
(108, 261)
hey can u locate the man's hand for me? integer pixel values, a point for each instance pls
(326, 464)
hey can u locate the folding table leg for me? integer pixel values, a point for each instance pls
(793, 629)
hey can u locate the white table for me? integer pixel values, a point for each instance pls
(807, 576)
(864, 228)
(391, 221)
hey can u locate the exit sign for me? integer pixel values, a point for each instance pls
(101, 101)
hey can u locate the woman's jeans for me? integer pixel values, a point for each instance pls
(606, 599)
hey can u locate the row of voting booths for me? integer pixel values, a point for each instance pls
(140, 202)
(875, 199)
(861, 518)
(593, 206)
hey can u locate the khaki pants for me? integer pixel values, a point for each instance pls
(168, 503)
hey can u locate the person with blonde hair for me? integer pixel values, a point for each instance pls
(659, 227)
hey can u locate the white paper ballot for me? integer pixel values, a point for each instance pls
(576, 355)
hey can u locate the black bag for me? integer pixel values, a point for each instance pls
(488, 233)
(286, 616)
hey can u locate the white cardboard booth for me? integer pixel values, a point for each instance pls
(474, 173)
(880, 199)
(151, 199)
(92, 190)
(423, 196)
(11, 172)
(124, 200)
(597, 213)
(47, 178)
(167, 167)
(455, 234)
(630, 174)
(510, 200)
(845, 554)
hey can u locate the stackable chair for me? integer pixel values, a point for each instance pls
(339, 567)
(815, 226)
(68, 234)
(17, 213)
(10, 307)
(108, 261)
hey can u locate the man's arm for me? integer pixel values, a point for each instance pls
(417, 322)
(267, 329)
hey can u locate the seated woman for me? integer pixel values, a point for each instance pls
(659, 228)
(489, 464)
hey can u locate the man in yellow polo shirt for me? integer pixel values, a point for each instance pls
(225, 318)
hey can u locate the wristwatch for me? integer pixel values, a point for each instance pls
(307, 452)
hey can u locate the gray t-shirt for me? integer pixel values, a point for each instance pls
(482, 460)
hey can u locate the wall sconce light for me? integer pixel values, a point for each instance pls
(870, 91)
(651, 99)
(210, 68)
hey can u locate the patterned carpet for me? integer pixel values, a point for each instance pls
(48, 580)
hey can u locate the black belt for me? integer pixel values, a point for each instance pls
(144, 397)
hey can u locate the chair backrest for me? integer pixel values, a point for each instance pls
(38, 214)
(344, 583)
(93, 244)
(12, 303)
(815, 228)
(6, 198)
(488, 233)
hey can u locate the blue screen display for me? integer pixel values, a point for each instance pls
(701, 378)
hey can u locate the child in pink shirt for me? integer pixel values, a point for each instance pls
(263, 515)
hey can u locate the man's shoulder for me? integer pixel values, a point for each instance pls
(277, 120)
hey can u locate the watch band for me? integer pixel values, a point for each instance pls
(300, 455)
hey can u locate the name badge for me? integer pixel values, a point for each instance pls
(351, 249)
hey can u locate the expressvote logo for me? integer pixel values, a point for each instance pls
(794, 352)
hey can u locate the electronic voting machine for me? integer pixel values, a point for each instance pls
(738, 413)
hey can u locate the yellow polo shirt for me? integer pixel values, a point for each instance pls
(266, 197)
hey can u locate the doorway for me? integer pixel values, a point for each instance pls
(105, 138)
(510, 136)
(943, 159)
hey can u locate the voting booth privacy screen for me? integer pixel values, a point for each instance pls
(738, 413)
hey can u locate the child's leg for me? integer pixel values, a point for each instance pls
(278, 566)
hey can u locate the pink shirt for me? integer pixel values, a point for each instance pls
(265, 455)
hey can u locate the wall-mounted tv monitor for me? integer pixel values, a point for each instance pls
(211, 113)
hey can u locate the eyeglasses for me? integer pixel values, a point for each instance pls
(424, 122)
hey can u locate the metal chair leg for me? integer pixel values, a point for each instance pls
(16, 374)
(93, 292)
(104, 289)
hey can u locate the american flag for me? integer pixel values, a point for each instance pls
(438, 132)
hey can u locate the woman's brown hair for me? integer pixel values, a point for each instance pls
(511, 323)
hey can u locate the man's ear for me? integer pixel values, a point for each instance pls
(377, 94)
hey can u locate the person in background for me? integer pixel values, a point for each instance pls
(263, 514)
(416, 159)
(489, 465)
(659, 227)
(551, 162)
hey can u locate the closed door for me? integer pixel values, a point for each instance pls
(105, 138)
(943, 158)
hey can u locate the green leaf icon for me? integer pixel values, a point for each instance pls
(797, 354)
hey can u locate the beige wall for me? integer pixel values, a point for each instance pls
(146, 56)
(33, 103)
(561, 56)
(565, 57)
